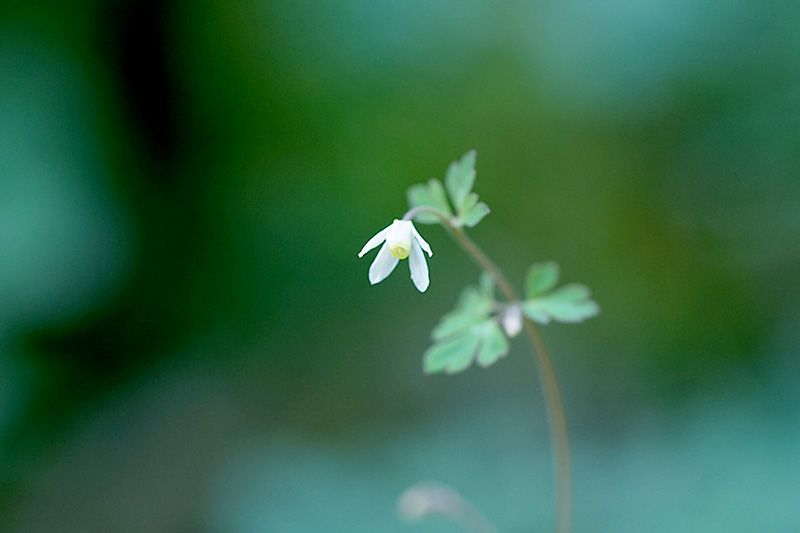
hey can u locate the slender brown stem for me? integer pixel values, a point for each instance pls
(547, 375)
(558, 427)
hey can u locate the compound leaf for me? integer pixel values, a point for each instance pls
(570, 303)
(494, 344)
(459, 179)
(475, 214)
(429, 194)
(541, 278)
(451, 356)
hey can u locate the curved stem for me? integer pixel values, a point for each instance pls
(422, 209)
(559, 436)
(547, 375)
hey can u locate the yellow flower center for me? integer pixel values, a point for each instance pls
(399, 250)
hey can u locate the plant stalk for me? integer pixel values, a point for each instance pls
(547, 375)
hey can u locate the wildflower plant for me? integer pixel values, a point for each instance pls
(477, 330)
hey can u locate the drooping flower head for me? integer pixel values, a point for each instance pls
(400, 240)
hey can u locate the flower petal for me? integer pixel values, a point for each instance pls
(418, 267)
(375, 241)
(421, 241)
(382, 266)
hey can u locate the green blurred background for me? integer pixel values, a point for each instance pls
(189, 343)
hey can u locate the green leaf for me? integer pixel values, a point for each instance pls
(429, 194)
(468, 333)
(475, 215)
(451, 356)
(535, 312)
(469, 202)
(541, 278)
(494, 344)
(571, 311)
(473, 307)
(483, 343)
(459, 179)
(571, 303)
(571, 292)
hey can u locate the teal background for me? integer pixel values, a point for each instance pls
(188, 341)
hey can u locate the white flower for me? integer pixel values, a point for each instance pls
(512, 320)
(402, 240)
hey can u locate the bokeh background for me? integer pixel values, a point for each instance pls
(189, 343)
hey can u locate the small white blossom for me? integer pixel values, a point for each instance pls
(512, 320)
(400, 240)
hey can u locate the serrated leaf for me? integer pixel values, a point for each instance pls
(493, 346)
(571, 303)
(459, 179)
(429, 194)
(541, 278)
(534, 311)
(483, 343)
(455, 323)
(451, 356)
(573, 311)
(469, 202)
(475, 215)
(468, 333)
(571, 292)
(473, 306)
